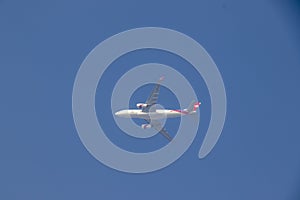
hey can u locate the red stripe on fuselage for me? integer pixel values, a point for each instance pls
(181, 111)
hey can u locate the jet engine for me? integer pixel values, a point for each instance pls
(146, 126)
(141, 105)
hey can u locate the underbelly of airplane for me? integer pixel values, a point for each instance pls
(156, 115)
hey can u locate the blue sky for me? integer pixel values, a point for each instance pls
(256, 46)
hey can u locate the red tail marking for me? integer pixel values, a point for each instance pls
(196, 105)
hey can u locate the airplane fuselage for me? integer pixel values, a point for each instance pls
(158, 114)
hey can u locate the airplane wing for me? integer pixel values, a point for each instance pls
(152, 99)
(158, 126)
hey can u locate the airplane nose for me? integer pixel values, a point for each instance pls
(122, 113)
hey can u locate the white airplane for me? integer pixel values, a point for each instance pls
(152, 115)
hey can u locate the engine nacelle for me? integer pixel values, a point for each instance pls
(141, 105)
(146, 126)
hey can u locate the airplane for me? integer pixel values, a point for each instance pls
(152, 115)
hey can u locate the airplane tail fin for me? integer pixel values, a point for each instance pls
(193, 106)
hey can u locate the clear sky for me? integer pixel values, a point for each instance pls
(256, 46)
